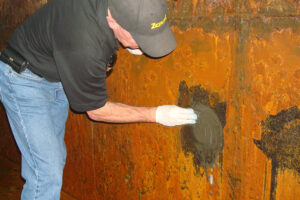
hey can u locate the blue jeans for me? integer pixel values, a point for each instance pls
(37, 111)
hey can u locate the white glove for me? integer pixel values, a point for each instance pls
(171, 115)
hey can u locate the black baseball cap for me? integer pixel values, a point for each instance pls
(146, 21)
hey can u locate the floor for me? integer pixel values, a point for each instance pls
(11, 182)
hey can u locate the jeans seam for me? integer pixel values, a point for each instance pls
(1, 98)
(28, 144)
(37, 184)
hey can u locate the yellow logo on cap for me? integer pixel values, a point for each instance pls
(158, 24)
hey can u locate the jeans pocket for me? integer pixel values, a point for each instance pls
(28, 86)
(27, 75)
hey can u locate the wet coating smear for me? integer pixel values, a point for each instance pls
(280, 141)
(205, 139)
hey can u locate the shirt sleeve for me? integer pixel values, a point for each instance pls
(82, 74)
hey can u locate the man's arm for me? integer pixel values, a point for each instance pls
(122, 113)
(168, 115)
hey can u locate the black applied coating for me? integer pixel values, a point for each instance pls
(205, 139)
(280, 142)
(208, 135)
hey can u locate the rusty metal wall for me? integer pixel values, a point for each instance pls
(243, 55)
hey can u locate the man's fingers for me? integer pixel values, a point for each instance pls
(185, 116)
(184, 113)
(182, 122)
(172, 115)
(184, 110)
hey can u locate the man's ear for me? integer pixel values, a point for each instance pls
(111, 21)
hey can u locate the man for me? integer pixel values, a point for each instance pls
(59, 56)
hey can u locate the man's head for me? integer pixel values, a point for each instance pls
(121, 34)
(146, 22)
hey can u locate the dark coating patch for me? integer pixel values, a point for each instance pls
(205, 139)
(280, 142)
(187, 96)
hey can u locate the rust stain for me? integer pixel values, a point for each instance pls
(222, 15)
(272, 87)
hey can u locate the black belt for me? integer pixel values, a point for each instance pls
(11, 57)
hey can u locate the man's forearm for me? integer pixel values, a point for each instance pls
(122, 113)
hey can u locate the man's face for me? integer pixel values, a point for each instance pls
(126, 39)
(122, 35)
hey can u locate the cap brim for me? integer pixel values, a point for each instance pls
(157, 45)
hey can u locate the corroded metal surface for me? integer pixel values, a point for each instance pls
(243, 53)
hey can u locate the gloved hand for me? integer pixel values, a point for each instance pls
(171, 115)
